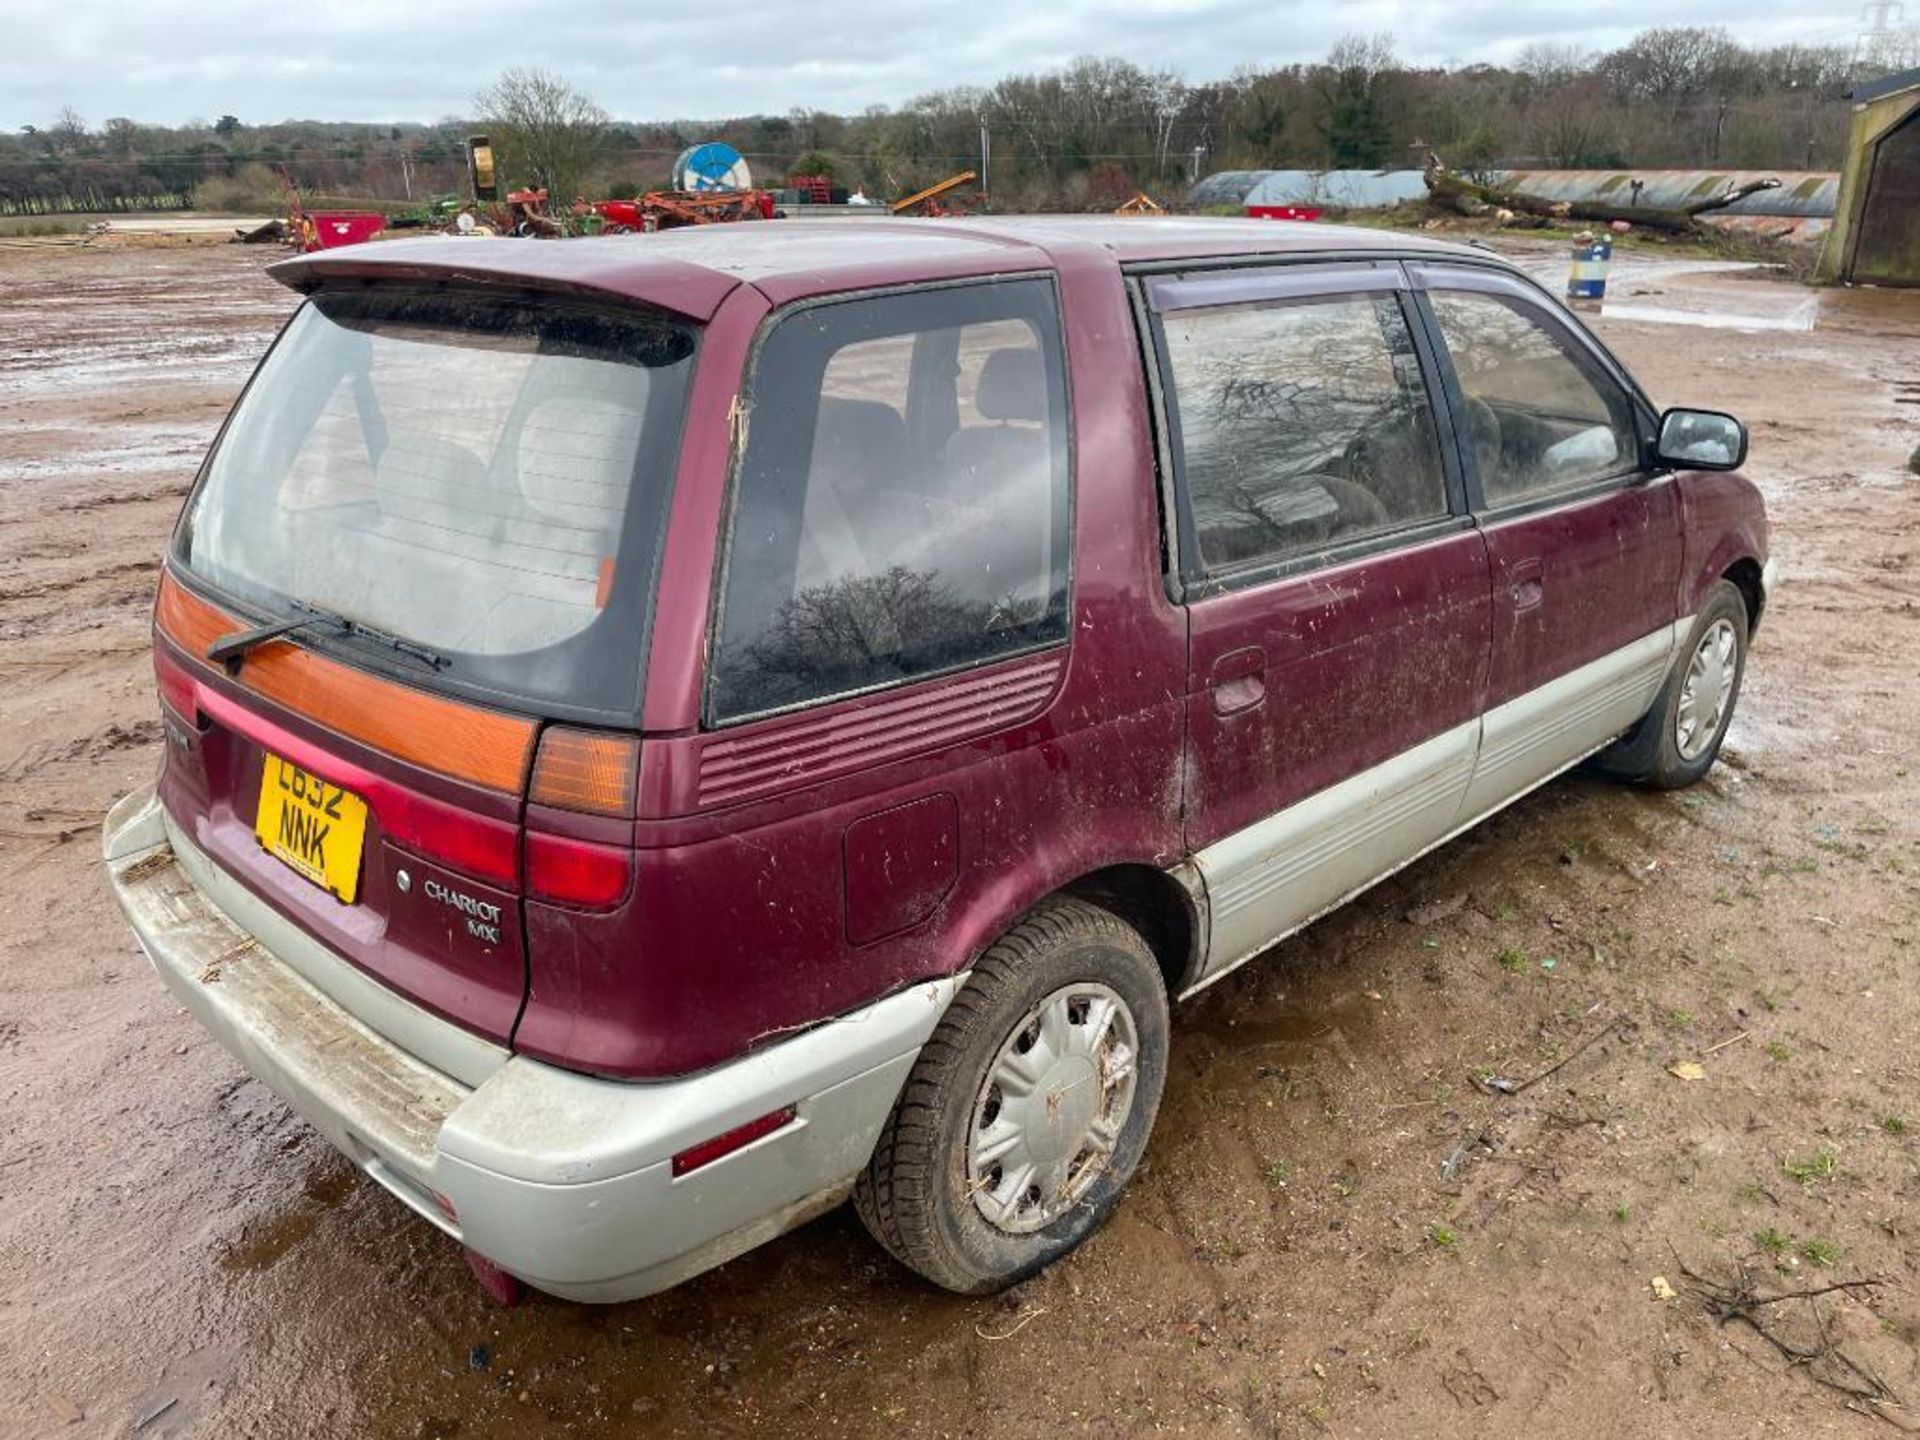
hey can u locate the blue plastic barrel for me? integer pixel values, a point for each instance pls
(1588, 278)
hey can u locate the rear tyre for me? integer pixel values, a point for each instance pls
(1681, 735)
(1027, 1112)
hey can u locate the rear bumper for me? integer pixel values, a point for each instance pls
(559, 1178)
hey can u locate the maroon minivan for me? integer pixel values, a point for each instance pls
(665, 733)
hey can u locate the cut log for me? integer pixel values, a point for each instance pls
(1726, 198)
(1455, 192)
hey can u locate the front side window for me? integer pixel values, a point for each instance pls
(901, 502)
(1541, 414)
(1303, 425)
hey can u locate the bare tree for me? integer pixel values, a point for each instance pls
(1569, 125)
(545, 131)
(1549, 65)
(1674, 64)
(1353, 84)
(1082, 135)
(69, 132)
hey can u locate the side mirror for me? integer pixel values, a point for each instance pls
(1702, 440)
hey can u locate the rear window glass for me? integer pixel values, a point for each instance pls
(901, 507)
(484, 477)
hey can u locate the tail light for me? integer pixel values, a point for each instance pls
(476, 844)
(176, 688)
(586, 770)
(579, 873)
(589, 772)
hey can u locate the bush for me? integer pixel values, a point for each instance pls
(254, 189)
(819, 162)
(40, 226)
(1109, 186)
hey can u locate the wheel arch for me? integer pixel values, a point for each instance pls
(1725, 531)
(1744, 575)
(1167, 907)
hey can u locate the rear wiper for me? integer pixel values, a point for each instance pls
(412, 649)
(231, 649)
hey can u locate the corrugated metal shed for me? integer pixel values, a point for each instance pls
(1225, 187)
(1341, 189)
(1803, 194)
(1800, 208)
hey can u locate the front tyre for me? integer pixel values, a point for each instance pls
(1029, 1108)
(1681, 736)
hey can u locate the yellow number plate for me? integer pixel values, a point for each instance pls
(314, 827)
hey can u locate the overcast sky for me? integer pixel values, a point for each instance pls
(165, 61)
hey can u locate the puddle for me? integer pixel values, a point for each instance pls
(1254, 1030)
(109, 366)
(105, 448)
(1800, 316)
(264, 1245)
(268, 1244)
(1247, 1036)
(1692, 292)
(1765, 731)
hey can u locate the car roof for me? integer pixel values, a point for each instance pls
(691, 270)
(1143, 239)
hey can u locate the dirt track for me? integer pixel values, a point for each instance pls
(1338, 1230)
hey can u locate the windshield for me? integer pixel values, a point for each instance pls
(485, 477)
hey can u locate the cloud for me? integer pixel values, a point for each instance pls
(164, 61)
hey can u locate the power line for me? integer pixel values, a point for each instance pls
(57, 163)
(1880, 36)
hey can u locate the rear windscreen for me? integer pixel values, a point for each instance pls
(483, 477)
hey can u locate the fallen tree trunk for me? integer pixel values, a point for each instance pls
(1463, 196)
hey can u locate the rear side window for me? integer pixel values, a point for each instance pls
(1543, 416)
(901, 506)
(1302, 426)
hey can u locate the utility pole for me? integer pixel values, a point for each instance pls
(1876, 42)
(986, 157)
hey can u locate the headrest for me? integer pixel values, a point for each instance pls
(1013, 386)
(849, 430)
(575, 456)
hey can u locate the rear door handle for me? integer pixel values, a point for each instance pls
(1238, 680)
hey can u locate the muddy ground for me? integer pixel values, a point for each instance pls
(1339, 1229)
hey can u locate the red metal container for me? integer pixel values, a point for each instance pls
(331, 229)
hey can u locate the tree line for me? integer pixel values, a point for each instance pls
(1086, 135)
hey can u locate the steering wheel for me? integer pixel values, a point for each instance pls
(1360, 508)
